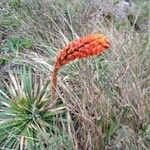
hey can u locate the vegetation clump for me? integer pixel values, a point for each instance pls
(50, 98)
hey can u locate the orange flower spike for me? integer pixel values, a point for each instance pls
(91, 44)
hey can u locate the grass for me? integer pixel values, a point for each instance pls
(103, 102)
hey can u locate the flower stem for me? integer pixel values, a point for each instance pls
(54, 83)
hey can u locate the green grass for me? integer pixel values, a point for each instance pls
(103, 101)
(16, 44)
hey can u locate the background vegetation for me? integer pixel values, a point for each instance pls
(103, 101)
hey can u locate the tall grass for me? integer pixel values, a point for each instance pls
(105, 99)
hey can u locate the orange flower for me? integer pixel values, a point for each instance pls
(92, 44)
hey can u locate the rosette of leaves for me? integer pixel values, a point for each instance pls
(23, 114)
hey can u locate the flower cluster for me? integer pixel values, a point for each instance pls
(92, 44)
